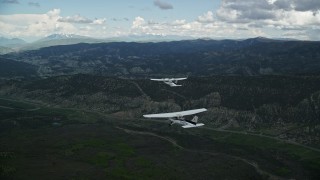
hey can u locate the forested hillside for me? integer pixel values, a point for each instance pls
(272, 104)
(257, 56)
(11, 69)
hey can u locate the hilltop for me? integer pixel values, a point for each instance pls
(257, 56)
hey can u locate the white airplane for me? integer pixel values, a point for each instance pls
(170, 81)
(178, 117)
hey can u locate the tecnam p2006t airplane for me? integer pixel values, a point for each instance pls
(178, 117)
(170, 81)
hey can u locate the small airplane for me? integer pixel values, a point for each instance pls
(170, 81)
(178, 117)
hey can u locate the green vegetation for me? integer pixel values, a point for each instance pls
(7, 169)
(199, 58)
(60, 118)
(23, 114)
(283, 106)
(283, 171)
(88, 128)
(107, 152)
(10, 69)
(13, 104)
(270, 150)
(266, 143)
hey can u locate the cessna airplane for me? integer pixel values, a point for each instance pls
(170, 81)
(178, 117)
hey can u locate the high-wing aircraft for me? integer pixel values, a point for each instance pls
(178, 117)
(170, 81)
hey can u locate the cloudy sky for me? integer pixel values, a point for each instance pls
(34, 19)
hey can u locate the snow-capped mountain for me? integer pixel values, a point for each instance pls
(59, 39)
(63, 36)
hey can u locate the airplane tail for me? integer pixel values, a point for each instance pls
(195, 119)
(171, 122)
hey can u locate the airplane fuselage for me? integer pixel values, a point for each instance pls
(178, 121)
(178, 117)
(185, 123)
(170, 83)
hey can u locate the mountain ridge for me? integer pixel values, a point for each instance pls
(11, 42)
(189, 57)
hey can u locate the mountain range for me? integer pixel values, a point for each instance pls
(76, 105)
(58, 39)
(11, 42)
(256, 56)
(8, 45)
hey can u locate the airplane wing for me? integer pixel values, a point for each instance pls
(179, 79)
(189, 125)
(175, 114)
(157, 79)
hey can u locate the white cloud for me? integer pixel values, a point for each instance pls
(138, 22)
(183, 28)
(31, 24)
(207, 17)
(81, 20)
(299, 5)
(75, 19)
(302, 18)
(99, 21)
(266, 12)
(35, 26)
(272, 15)
(54, 13)
(179, 22)
(271, 1)
(233, 19)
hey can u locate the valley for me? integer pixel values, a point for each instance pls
(82, 144)
(94, 124)
(160, 89)
(75, 111)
